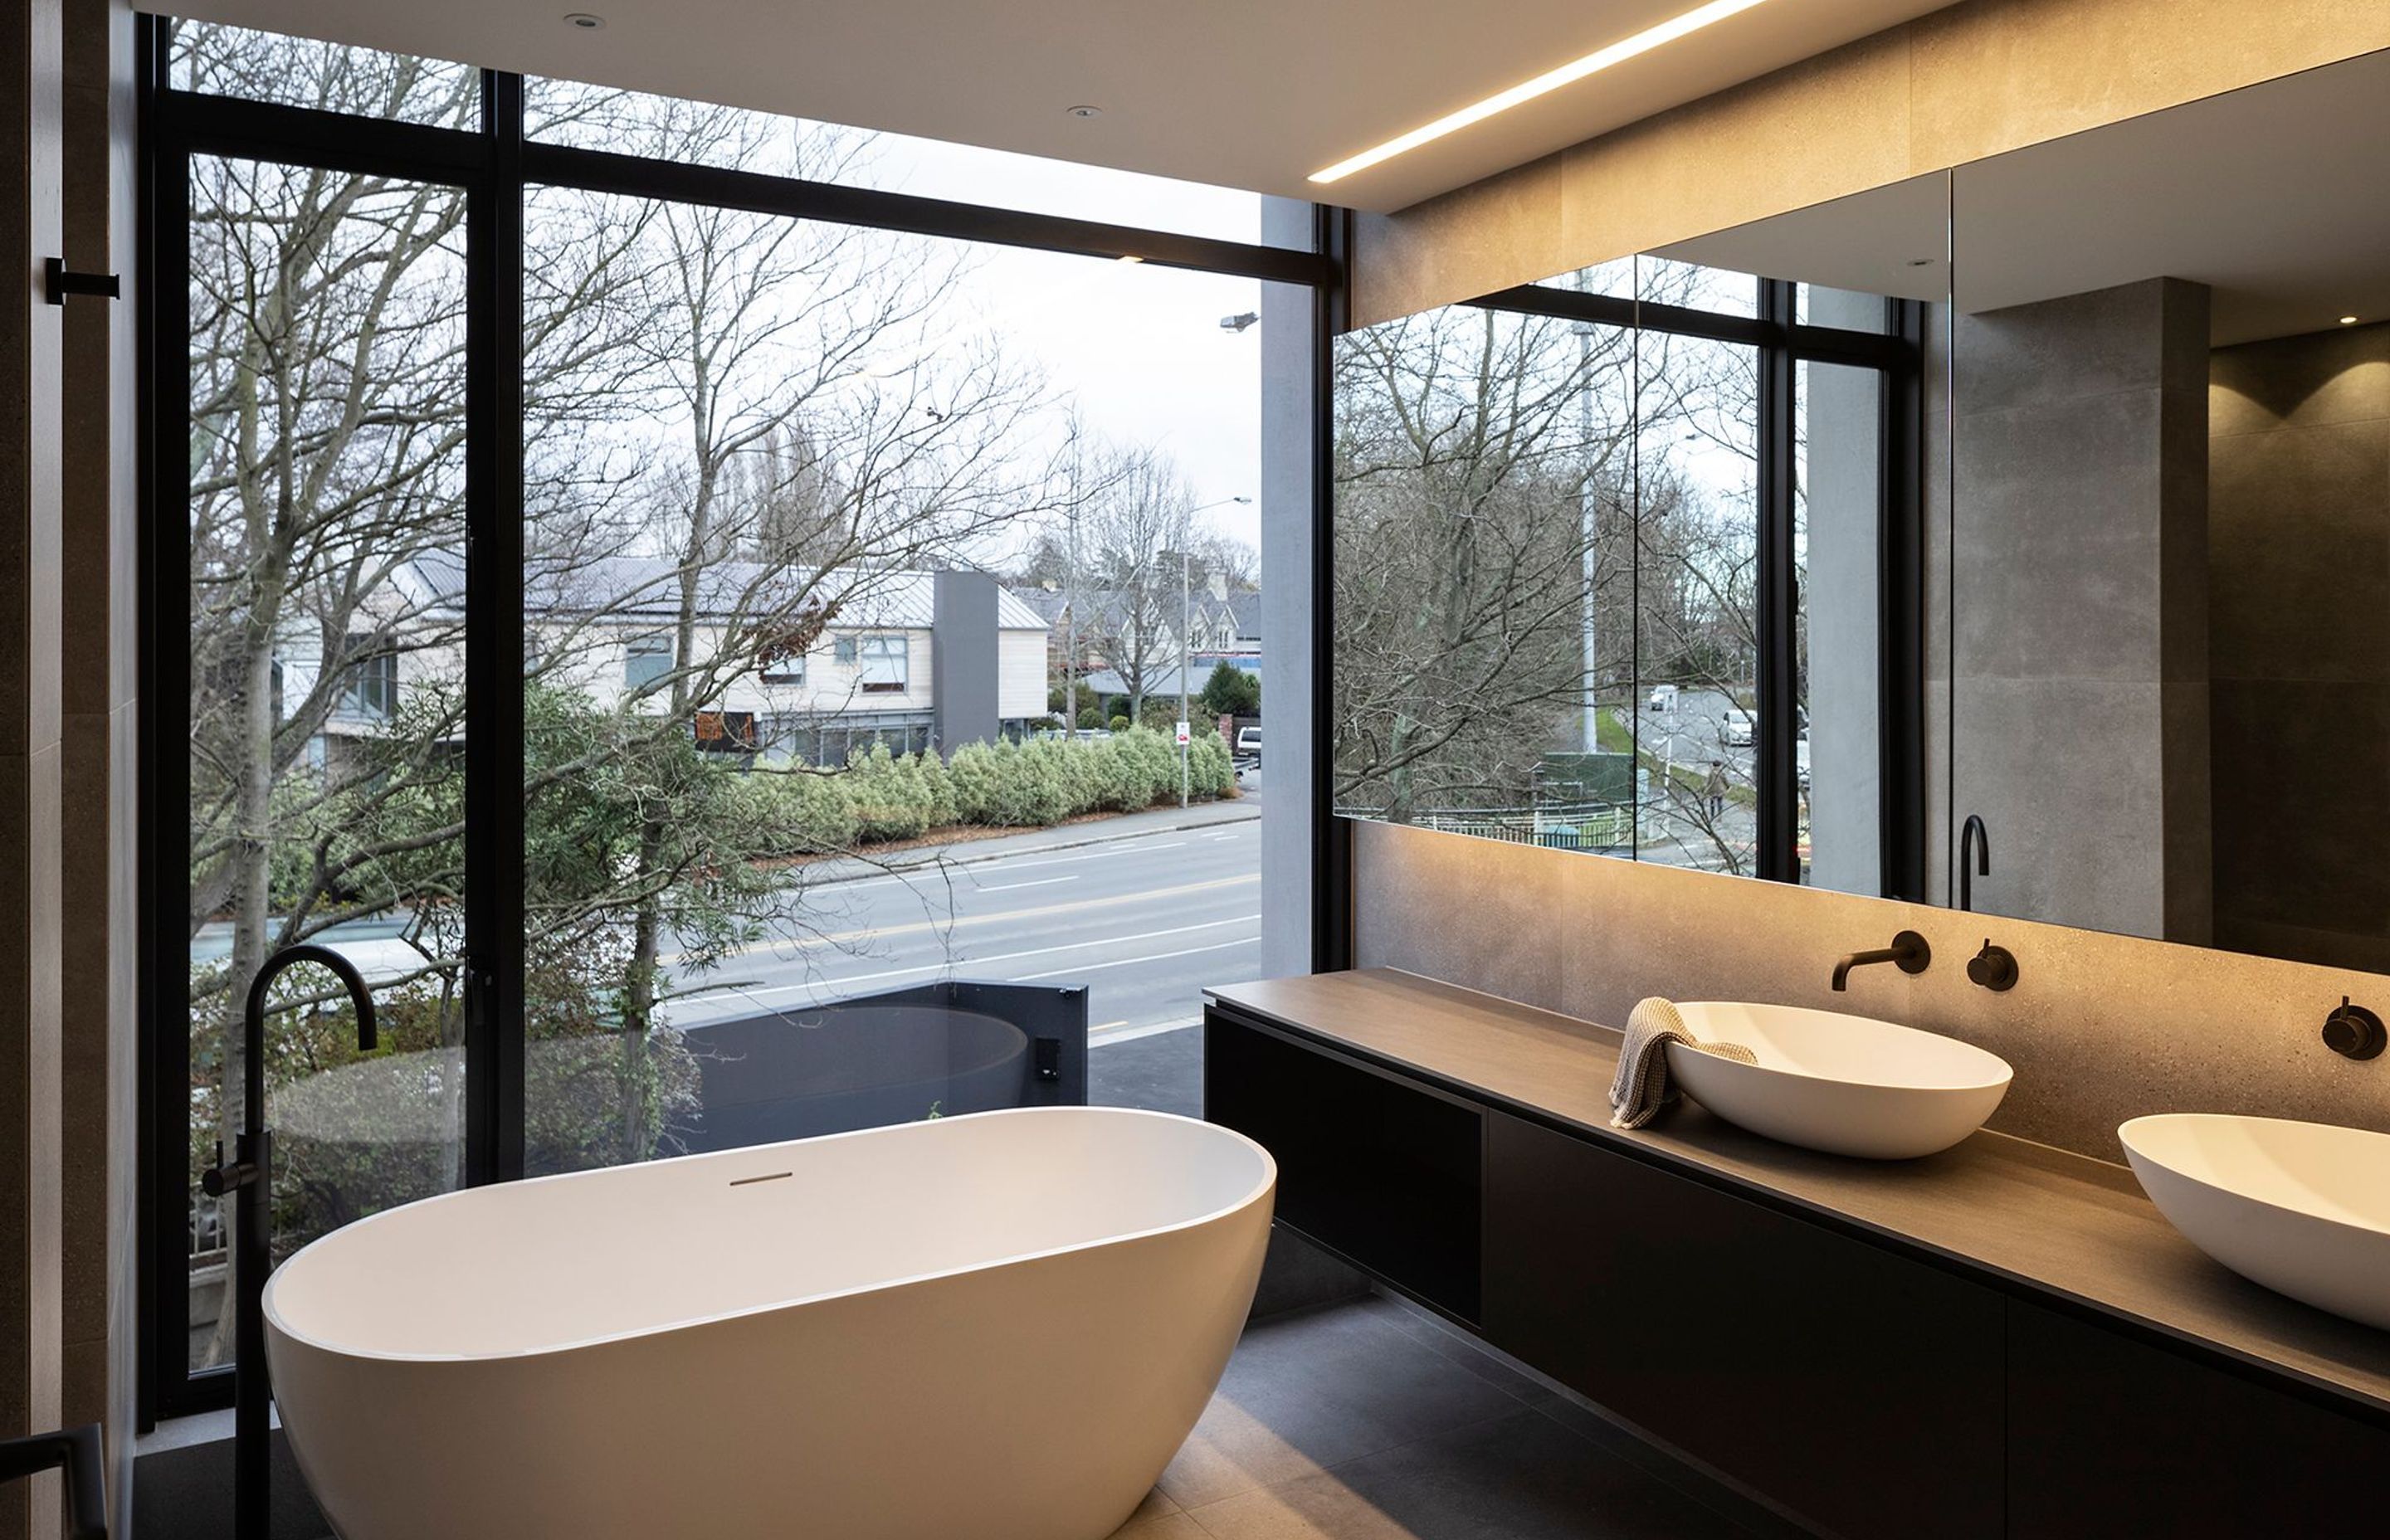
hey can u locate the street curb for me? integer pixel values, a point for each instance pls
(1255, 816)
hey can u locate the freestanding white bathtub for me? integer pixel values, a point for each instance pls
(999, 1326)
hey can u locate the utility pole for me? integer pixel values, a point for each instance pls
(1070, 604)
(1186, 623)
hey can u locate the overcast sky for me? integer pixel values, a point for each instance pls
(1139, 347)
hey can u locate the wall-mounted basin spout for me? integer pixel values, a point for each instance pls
(1907, 950)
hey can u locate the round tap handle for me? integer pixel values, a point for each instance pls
(2354, 1032)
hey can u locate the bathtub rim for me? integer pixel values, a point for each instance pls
(1263, 1188)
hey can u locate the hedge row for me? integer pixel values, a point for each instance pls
(880, 796)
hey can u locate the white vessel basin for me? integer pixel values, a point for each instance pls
(1846, 1085)
(2303, 1208)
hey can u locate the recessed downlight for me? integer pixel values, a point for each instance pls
(1544, 85)
(1084, 111)
(584, 21)
(2348, 320)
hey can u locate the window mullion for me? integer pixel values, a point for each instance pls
(493, 649)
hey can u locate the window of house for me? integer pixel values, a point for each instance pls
(372, 691)
(787, 668)
(882, 663)
(644, 660)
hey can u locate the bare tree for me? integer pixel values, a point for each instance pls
(738, 427)
(1133, 529)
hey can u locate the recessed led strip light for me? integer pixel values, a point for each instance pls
(1543, 84)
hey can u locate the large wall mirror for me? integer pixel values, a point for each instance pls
(1631, 561)
(2171, 544)
(2015, 538)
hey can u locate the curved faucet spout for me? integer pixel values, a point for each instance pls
(1908, 951)
(251, 1175)
(1974, 838)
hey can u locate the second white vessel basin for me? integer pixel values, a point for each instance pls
(1846, 1085)
(2303, 1208)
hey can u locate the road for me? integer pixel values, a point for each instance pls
(1146, 920)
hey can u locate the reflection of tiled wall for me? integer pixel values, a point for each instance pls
(2299, 488)
(2079, 580)
(2098, 1028)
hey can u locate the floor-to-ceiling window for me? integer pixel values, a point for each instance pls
(668, 590)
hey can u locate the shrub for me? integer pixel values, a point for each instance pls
(974, 778)
(891, 800)
(1117, 723)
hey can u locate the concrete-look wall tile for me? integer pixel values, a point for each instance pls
(1638, 929)
(2186, 815)
(2096, 344)
(2068, 776)
(2103, 1028)
(1490, 235)
(2302, 790)
(2307, 382)
(2298, 538)
(2100, 1028)
(2055, 543)
(1993, 76)
(1821, 129)
(1480, 908)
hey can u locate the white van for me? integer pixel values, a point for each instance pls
(1249, 741)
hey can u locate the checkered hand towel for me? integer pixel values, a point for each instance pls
(1641, 1088)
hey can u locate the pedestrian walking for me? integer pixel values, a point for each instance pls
(1713, 789)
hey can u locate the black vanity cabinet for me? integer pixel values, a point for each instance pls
(1860, 1390)
(1869, 1390)
(2109, 1436)
(1383, 1172)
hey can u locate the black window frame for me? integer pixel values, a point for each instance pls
(493, 164)
(1783, 343)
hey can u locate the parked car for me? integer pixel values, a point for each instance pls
(1249, 741)
(1664, 698)
(1736, 729)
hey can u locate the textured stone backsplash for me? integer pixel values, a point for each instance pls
(2100, 1028)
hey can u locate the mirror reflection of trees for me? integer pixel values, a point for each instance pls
(1538, 520)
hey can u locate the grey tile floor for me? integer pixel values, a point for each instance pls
(1366, 1421)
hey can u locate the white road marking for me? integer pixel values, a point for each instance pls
(1123, 962)
(1133, 846)
(1032, 882)
(731, 997)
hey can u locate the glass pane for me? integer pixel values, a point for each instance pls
(325, 595)
(1697, 624)
(1690, 286)
(1838, 679)
(336, 77)
(890, 510)
(1483, 576)
(593, 116)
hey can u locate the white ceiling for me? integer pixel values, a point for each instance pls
(1253, 94)
(2271, 195)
